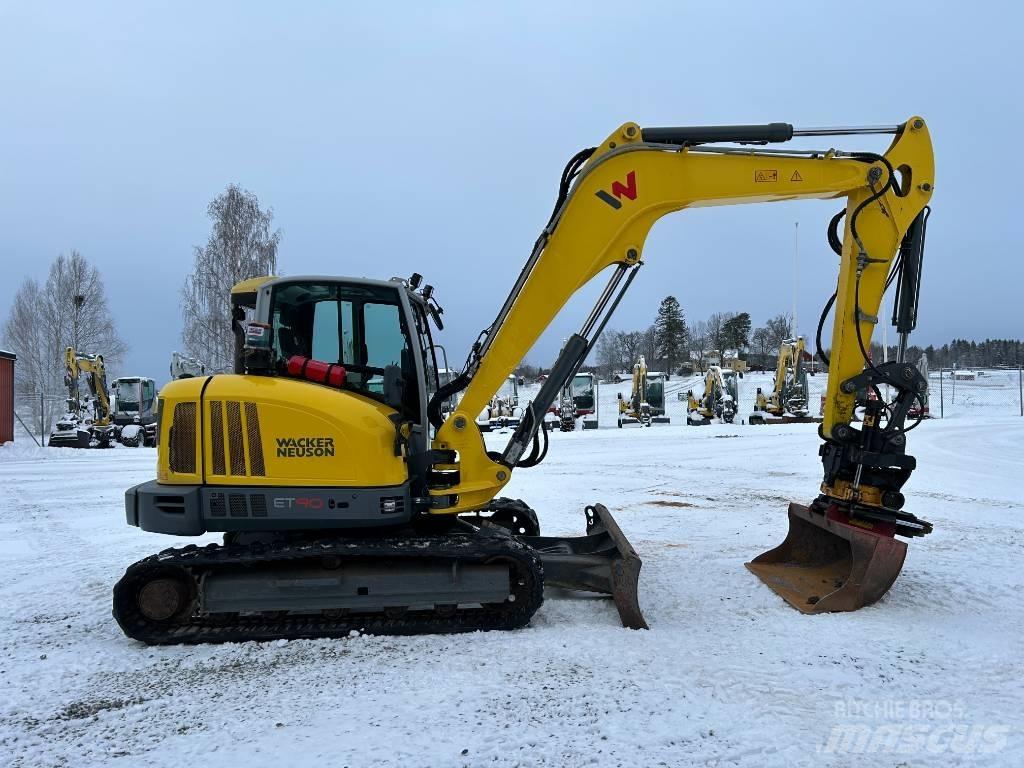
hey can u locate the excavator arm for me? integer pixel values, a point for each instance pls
(92, 366)
(610, 198)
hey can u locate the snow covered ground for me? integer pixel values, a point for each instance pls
(727, 675)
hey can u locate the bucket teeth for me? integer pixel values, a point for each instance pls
(826, 564)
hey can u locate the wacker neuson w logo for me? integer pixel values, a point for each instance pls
(619, 191)
(304, 447)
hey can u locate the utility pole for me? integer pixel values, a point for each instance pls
(942, 395)
(796, 272)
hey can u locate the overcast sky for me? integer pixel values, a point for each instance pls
(401, 137)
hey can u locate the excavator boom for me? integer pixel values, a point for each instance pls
(610, 198)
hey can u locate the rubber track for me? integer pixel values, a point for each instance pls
(192, 562)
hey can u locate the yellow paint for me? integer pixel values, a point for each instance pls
(592, 235)
(361, 435)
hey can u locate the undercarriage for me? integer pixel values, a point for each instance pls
(485, 572)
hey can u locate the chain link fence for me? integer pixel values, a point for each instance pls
(36, 413)
(976, 391)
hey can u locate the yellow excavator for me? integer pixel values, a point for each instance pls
(87, 422)
(646, 403)
(789, 401)
(349, 502)
(719, 400)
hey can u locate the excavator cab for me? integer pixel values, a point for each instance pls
(374, 332)
(315, 459)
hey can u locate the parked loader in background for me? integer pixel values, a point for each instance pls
(349, 502)
(789, 400)
(86, 423)
(134, 410)
(184, 367)
(646, 403)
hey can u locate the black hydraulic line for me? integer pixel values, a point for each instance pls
(836, 244)
(567, 362)
(572, 168)
(821, 326)
(443, 392)
(871, 157)
(834, 241)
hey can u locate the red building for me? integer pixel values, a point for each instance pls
(6, 397)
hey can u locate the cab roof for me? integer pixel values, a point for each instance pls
(244, 293)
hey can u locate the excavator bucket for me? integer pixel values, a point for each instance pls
(826, 564)
(603, 561)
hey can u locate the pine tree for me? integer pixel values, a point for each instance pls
(737, 331)
(670, 332)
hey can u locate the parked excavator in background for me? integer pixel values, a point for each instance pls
(919, 410)
(789, 400)
(86, 423)
(502, 410)
(184, 367)
(719, 400)
(133, 404)
(349, 503)
(646, 403)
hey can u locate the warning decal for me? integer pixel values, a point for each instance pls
(766, 175)
(796, 176)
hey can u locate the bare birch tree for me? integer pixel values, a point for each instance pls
(241, 245)
(69, 310)
(780, 329)
(700, 343)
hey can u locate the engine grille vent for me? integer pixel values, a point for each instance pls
(230, 443)
(217, 506)
(217, 437)
(252, 429)
(182, 449)
(238, 504)
(235, 440)
(258, 504)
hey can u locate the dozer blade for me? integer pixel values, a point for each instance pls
(828, 565)
(602, 561)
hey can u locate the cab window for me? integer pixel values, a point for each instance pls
(360, 327)
(148, 395)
